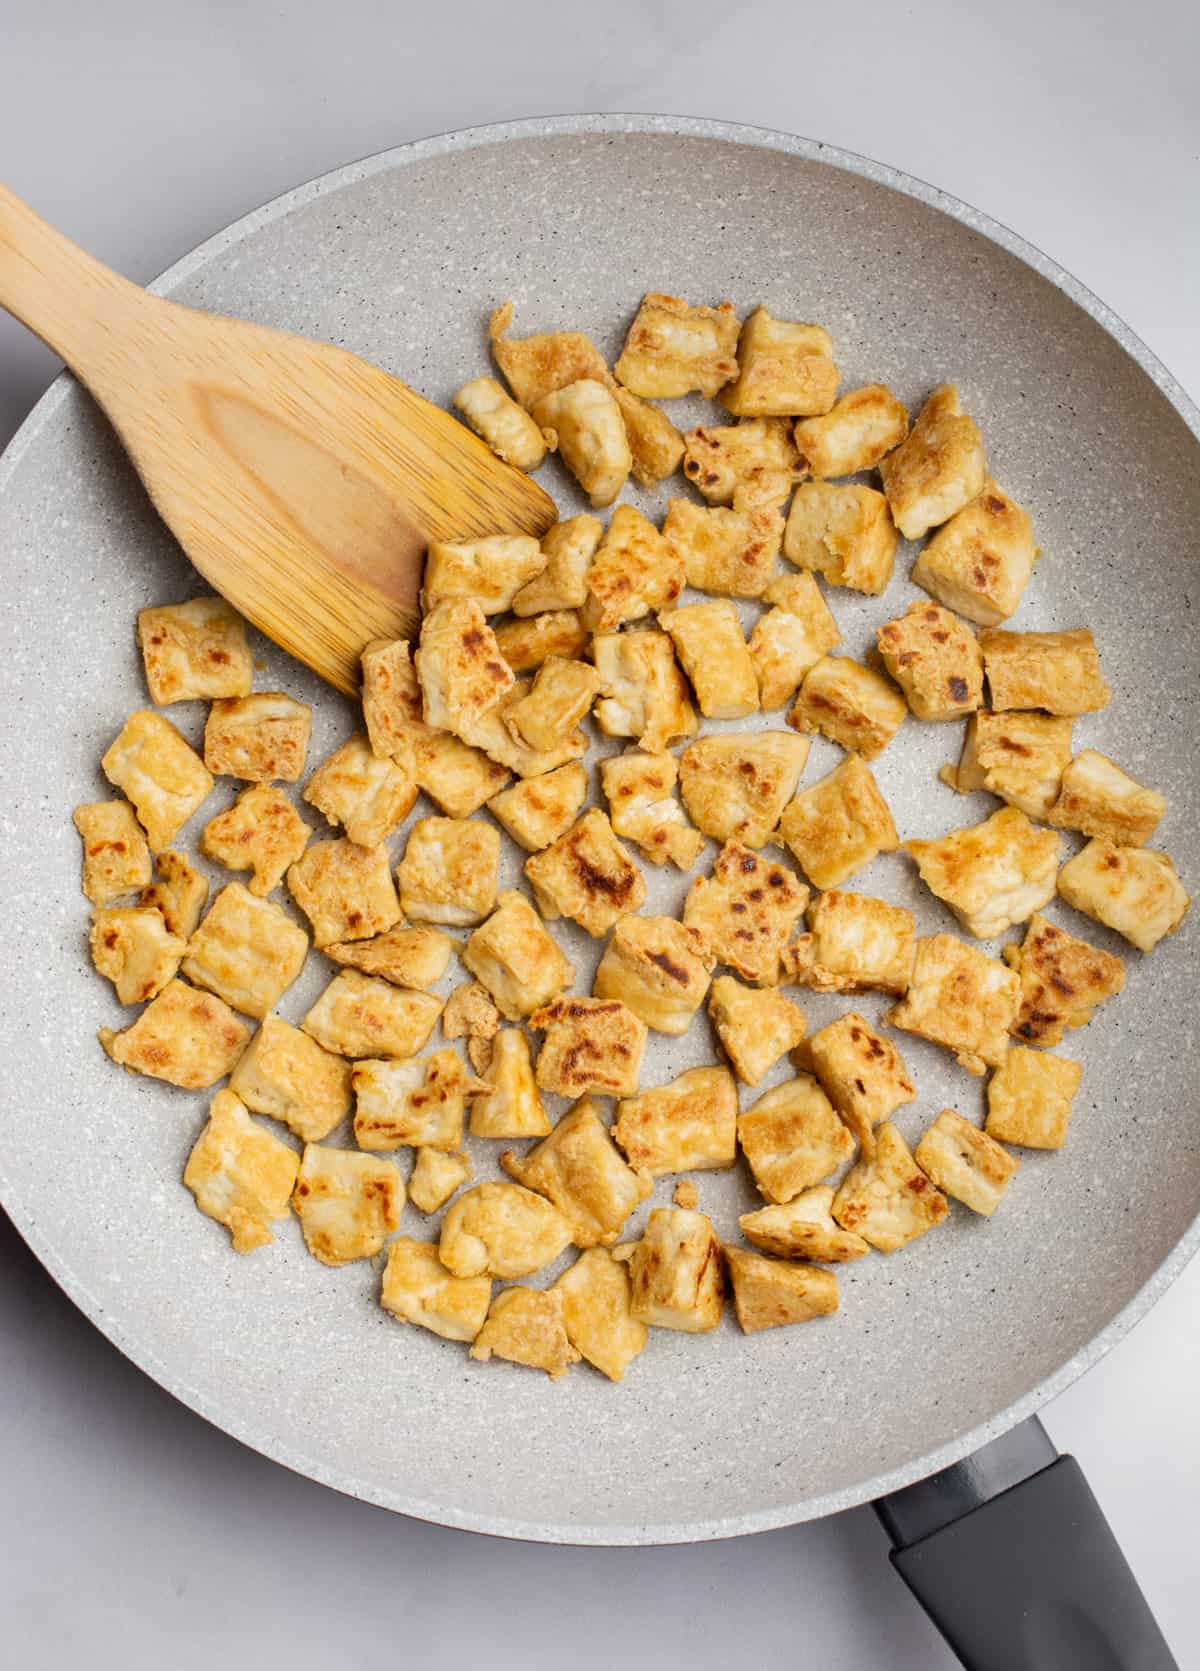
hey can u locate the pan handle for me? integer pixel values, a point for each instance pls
(1010, 1555)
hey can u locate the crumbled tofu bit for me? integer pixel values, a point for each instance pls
(287, 1075)
(459, 665)
(525, 1326)
(561, 695)
(586, 875)
(580, 1169)
(993, 874)
(1030, 1097)
(854, 944)
(639, 788)
(164, 778)
(246, 950)
(527, 642)
(492, 734)
(186, 1037)
(501, 1230)
(358, 1017)
(938, 469)
(261, 832)
(1063, 980)
(348, 1204)
(731, 552)
(513, 1106)
(886, 1198)
(655, 445)
(116, 858)
(793, 1138)
(367, 796)
(839, 825)
(634, 571)
(412, 957)
(449, 871)
(1018, 756)
(785, 370)
(470, 1013)
(597, 1312)
(421, 1103)
(768, 1293)
(685, 1194)
(966, 1163)
(673, 349)
(861, 1072)
(539, 810)
(195, 650)
(568, 548)
(936, 661)
(513, 956)
(497, 419)
(709, 643)
(803, 1229)
(240, 1174)
(689, 1125)
(718, 458)
(756, 1026)
(583, 423)
(961, 999)
(417, 1288)
(180, 892)
(593, 1047)
(850, 704)
(856, 432)
(659, 967)
(735, 786)
(535, 366)
(258, 738)
(644, 693)
(1099, 799)
(845, 533)
(746, 911)
(433, 1180)
(132, 947)
(676, 1274)
(790, 638)
(980, 562)
(345, 891)
(1057, 671)
(1129, 889)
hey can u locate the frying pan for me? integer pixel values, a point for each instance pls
(939, 1351)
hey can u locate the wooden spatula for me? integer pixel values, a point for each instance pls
(302, 482)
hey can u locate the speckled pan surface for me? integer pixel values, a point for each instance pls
(936, 1349)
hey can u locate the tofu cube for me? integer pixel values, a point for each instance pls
(497, 419)
(1018, 756)
(839, 825)
(844, 533)
(709, 643)
(179, 891)
(731, 552)
(675, 1271)
(492, 734)
(785, 370)
(432, 1181)
(367, 796)
(417, 1288)
(861, 1072)
(240, 1174)
(655, 445)
(501, 1230)
(659, 968)
(586, 875)
(534, 366)
(348, 1204)
(186, 1037)
(412, 957)
(246, 950)
(634, 572)
(1030, 1096)
(854, 944)
(756, 1026)
(490, 572)
(393, 708)
(854, 434)
(598, 1315)
(1057, 671)
(459, 665)
(116, 857)
(261, 832)
(580, 1169)
(359, 1017)
(593, 1047)
(164, 778)
(584, 425)
(993, 874)
(1129, 889)
(769, 1293)
(961, 999)
(528, 641)
(935, 660)
(539, 810)
(804, 1229)
(746, 911)
(965, 1162)
(513, 1105)
(561, 695)
(287, 1075)
(642, 807)
(1099, 799)
(195, 650)
(886, 1198)
(850, 704)
(673, 349)
(938, 469)
(689, 1125)
(719, 458)
(421, 1103)
(644, 693)
(450, 871)
(979, 563)
(133, 948)
(568, 548)
(1063, 980)
(793, 1138)
(736, 785)
(344, 890)
(790, 638)
(525, 1326)
(512, 955)
(258, 738)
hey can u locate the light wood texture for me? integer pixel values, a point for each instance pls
(303, 483)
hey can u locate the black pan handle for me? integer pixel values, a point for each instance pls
(1010, 1555)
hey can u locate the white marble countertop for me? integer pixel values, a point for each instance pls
(134, 1534)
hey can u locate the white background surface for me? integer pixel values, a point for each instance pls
(134, 1534)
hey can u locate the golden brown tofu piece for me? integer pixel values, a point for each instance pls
(367, 796)
(539, 810)
(261, 832)
(746, 911)
(459, 665)
(709, 643)
(360, 1017)
(501, 1230)
(644, 693)
(497, 419)
(839, 825)
(886, 1198)
(1063, 980)
(525, 643)
(580, 1169)
(804, 1229)
(258, 738)
(731, 552)
(856, 432)
(961, 999)
(861, 1072)
(561, 695)
(583, 423)
(422, 1103)
(470, 1013)
(195, 650)
(132, 947)
(186, 1037)
(655, 445)
(1016, 755)
(412, 957)
(586, 875)
(756, 1026)
(850, 704)
(287, 1075)
(676, 1272)
(854, 944)
(433, 1180)
(980, 562)
(966, 1163)
(689, 1125)
(735, 785)
(938, 469)
(659, 967)
(513, 1106)
(597, 1312)
(1099, 799)
(240, 1174)
(345, 891)
(718, 458)
(492, 734)
(593, 1047)
(634, 572)
(935, 660)
(525, 1326)
(393, 709)
(417, 1288)
(642, 807)
(348, 1204)
(673, 349)
(793, 1138)
(785, 370)
(163, 777)
(512, 955)
(178, 891)
(845, 533)
(116, 857)
(246, 950)
(535, 366)
(449, 871)
(993, 874)
(790, 638)
(1129, 889)
(568, 548)
(1030, 1097)
(1057, 671)
(768, 1293)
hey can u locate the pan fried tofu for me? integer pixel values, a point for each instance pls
(261, 832)
(287, 1075)
(839, 825)
(804, 1229)
(1131, 890)
(736, 785)
(673, 349)
(240, 1174)
(938, 469)
(593, 1047)
(535, 366)
(459, 665)
(539, 810)
(854, 944)
(568, 548)
(530, 640)
(186, 1037)
(708, 641)
(179, 891)
(246, 950)
(597, 1312)
(1099, 799)
(457, 778)
(689, 1125)
(348, 1204)
(861, 1072)
(195, 650)
(584, 425)
(492, 734)
(501, 1230)
(655, 445)
(432, 1181)
(586, 875)
(1057, 671)
(730, 552)
(345, 891)
(258, 738)
(513, 1105)
(935, 660)
(1063, 981)
(412, 957)
(163, 777)
(768, 1293)
(497, 419)
(525, 1326)
(512, 955)
(746, 911)
(850, 704)
(980, 562)
(644, 693)
(634, 572)
(367, 796)
(417, 1288)
(470, 1013)
(854, 434)
(718, 458)
(793, 1138)
(639, 788)
(1030, 1097)
(1018, 756)
(756, 1026)
(845, 533)
(133, 948)
(790, 638)
(561, 695)
(421, 1103)
(449, 871)
(580, 1169)
(116, 857)
(886, 1198)
(359, 1017)
(675, 1271)
(965, 1162)
(659, 967)
(785, 370)
(393, 710)
(993, 874)
(961, 999)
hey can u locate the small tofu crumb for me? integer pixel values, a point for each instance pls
(194, 650)
(258, 738)
(938, 469)
(768, 1293)
(1130, 889)
(1030, 1097)
(676, 1274)
(785, 369)
(839, 825)
(348, 1204)
(850, 704)
(756, 1026)
(417, 1288)
(887, 1199)
(1099, 799)
(685, 1194)
(470, 1013)
(525, 1326)
(966, 1162)
(240, 1174)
